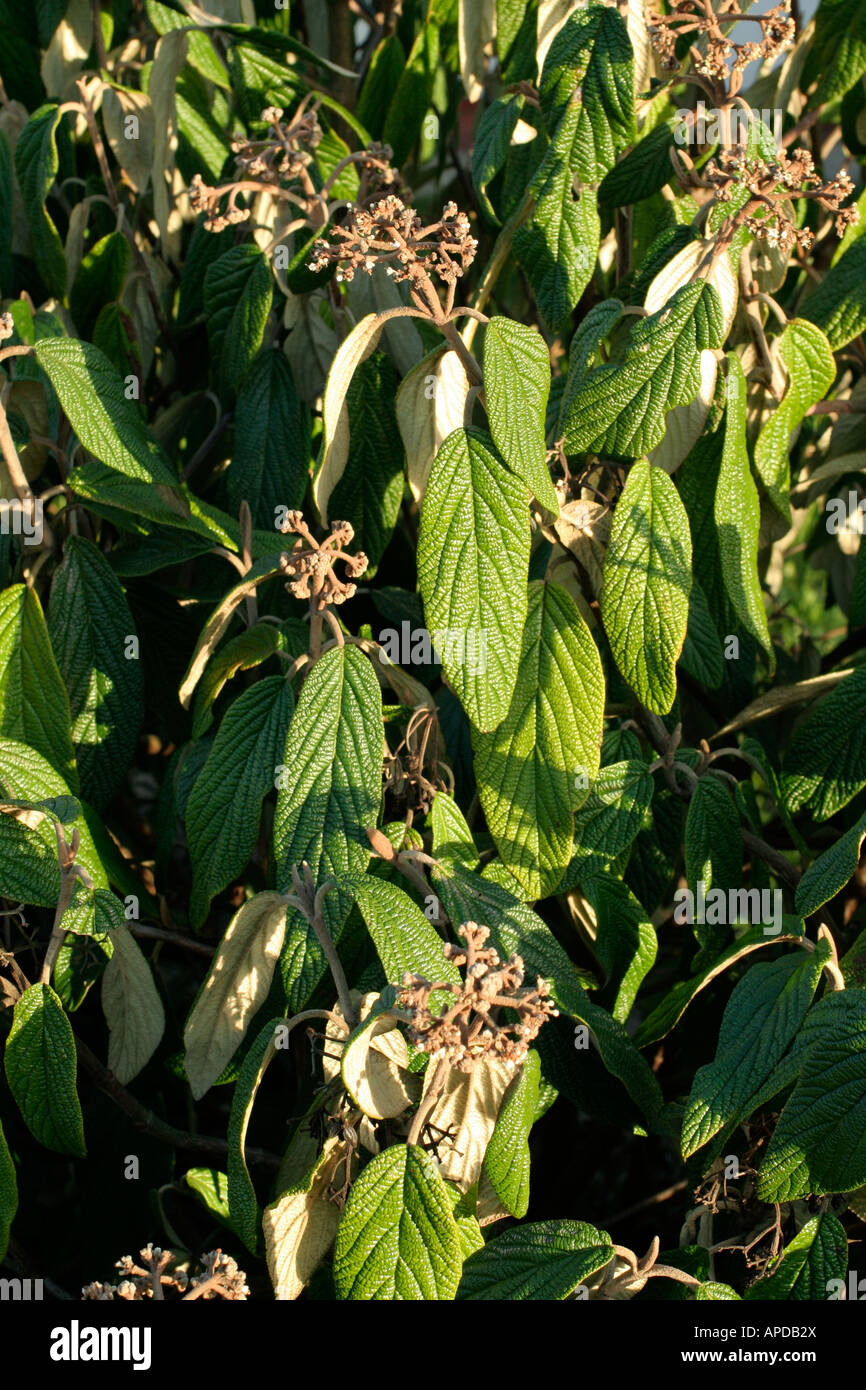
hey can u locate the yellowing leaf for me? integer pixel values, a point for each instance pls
(361, 342)
(466, 1111)
(236, 987)
(132, 1008)
(300, 1226)
(430, 403)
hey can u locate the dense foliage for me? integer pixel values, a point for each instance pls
(432, 656)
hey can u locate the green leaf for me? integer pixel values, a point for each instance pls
(738, 515)
(838, 305)
(667, 1014)
(132, 1007)
(109, 426)
(237, 985)
(818, 1144)
(516, 387)
(558, 245)
(713, 845)
(224, 807)
(397, 1238)
(817, 1254)
(90, 625)
(625, 941)
(34, 707)
(763, 1013)
(452, 838)
(837, 55)
(40, 1063)
(370, 490)
(546, 1260)
(609, 819)
(588, 81)
(825, 764)
(829, 873)
(473, 565)
(28, 846)
(333, 768)
(220, 619)
(7, 194)
(380, 84)
(243, 1207)
(404, 938)
(330, 789)
(238, 290)
(271, 459)
(533, 771)
(701, 656)
(249, 649)
(36, 166)
(811, 370)
(643, 171)
(620, 407)
(100, 279)
(506, 1161)
(492, 143)
(647, 579)
(8, 1194)
(212, 1187)
(414, 93)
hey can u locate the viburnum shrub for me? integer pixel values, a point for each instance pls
(432, 649)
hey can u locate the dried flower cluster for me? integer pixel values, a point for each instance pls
(219, 1278)
(311, 563)
(391, 234)
(7, 326)
(471, 1029)
(698, 17)
(283, 157)
(773, 183)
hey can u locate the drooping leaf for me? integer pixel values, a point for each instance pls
(241, 1195)
(237, 985)
(647, 580)
(369, 492)
(625, 940)
(8, 1194)
(132, 1007)
(99, 280)
(300, 1226)
(534, 770)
